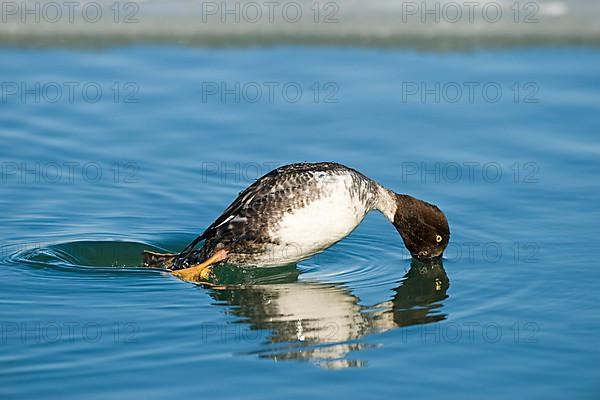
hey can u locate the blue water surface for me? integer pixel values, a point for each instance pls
(152, 143)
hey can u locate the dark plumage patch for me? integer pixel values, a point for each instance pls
(423, 227)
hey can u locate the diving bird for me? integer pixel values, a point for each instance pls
(299, 210)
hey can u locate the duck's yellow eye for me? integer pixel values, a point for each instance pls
(438, 238)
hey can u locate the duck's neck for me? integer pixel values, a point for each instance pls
(386, 202)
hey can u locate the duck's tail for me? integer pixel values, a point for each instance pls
(171, 260)
(159, 260)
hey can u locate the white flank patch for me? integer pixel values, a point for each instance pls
(309, 230)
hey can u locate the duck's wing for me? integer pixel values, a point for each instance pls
(248, 205)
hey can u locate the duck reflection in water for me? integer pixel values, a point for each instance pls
(322, 322)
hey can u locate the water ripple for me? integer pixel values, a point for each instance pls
(360, 261)
(280, 307)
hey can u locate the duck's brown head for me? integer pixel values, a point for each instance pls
(423, 227)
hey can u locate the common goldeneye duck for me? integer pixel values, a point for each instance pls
(299, 210)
